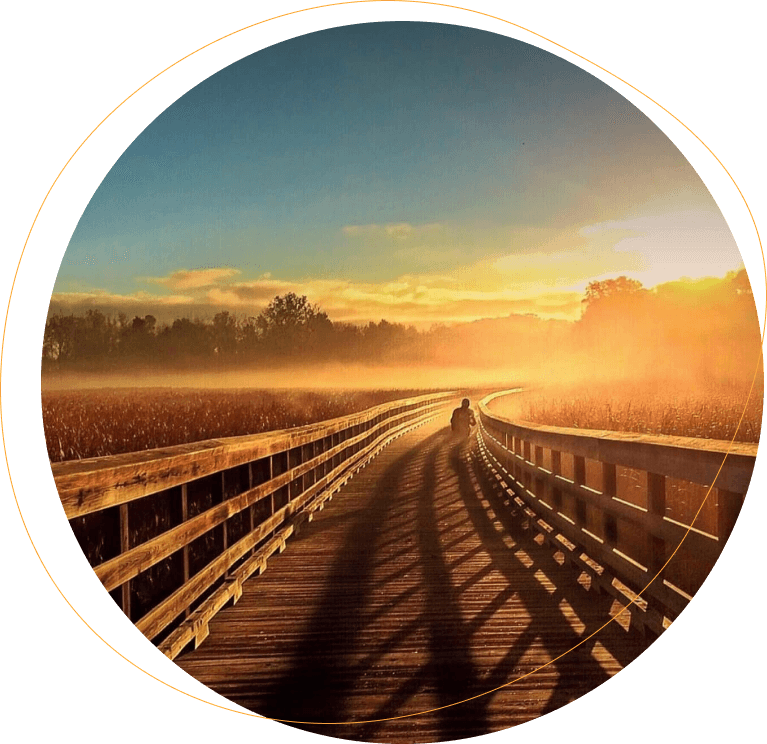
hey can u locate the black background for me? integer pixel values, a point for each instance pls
(71, 73)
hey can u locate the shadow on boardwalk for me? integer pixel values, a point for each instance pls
(436, 593)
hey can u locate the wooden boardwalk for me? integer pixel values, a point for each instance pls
(416, 588)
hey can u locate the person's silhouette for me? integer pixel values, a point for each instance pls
(463, 419)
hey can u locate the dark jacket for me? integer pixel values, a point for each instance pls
(462, 420)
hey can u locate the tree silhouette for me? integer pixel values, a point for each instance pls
(611, 288)
(288, 322)
(224, 333)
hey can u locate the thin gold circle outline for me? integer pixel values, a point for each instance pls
(245, 28)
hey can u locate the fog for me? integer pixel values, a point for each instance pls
(314, 377)
(692, 336)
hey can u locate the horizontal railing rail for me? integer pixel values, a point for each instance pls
(619, 504)
(172, 533)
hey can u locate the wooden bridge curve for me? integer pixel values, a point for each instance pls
(442, 570)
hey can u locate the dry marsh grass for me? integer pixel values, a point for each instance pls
(93, 423)
(722, 412)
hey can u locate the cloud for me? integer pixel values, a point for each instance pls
(690, 242)
(413, 299)
(399, 231)
(355, 230)
(101, 297)
(421, 310)
(259, 290)
(396, 231)
(530, 270)
(193, 279)
(163, 307)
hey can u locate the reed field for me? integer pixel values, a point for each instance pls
(718, 412)
(92, 423)
(96, 422)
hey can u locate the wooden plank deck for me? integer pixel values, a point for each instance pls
(415, 589)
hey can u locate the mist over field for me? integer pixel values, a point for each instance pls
(696, 333)
(682, 359)
(315, 377)
(457, 210)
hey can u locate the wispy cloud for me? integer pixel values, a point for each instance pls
(396, 231)
(193, 279)
(689, 242)
(413, 299)
(541, 270)
(100, 296)
(165, 307)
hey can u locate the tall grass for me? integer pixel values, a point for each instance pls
(94, 423)
(725, 412)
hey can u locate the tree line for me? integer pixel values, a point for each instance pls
(710, 325)
(289, 329)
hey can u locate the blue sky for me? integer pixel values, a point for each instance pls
(412, 171)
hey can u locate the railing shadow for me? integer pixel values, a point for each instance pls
(428, 503)
(449, 673)
(578, 671)
(317, 684)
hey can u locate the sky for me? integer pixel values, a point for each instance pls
(416, 172)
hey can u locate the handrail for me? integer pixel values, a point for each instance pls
(92, 484)
(174, 532)
(688, 458)
(582, 512)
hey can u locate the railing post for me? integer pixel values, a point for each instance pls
(185, 549)
(579, 476)
(271, 475)
(580, 512)
(656, 504)
(579, 470)
(527, 478)
(556, 462)
(538, 486)
(556, 469)
(610, 491)
(124, 548)
(223, 498)
(728, 505)
(252, 507)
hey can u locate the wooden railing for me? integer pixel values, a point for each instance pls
(172, 533)
(618, 505)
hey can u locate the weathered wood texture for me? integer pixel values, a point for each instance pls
(416, 589)
(444, 570)
(695, 460)
(628, 502)
(194, 521)
(94, 484)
